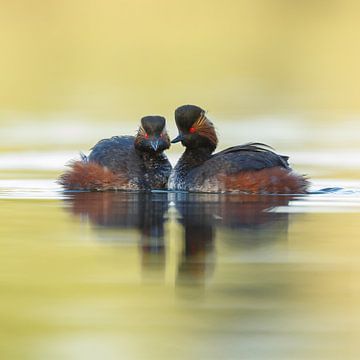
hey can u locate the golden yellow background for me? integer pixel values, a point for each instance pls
(123, 59)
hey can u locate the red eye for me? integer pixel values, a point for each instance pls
(146, 136)
(192, 130)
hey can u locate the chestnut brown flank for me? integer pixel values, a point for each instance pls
(90, 176)
(274, 180)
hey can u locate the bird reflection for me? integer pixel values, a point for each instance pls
(113, 212)
(236, 220)
(249, 218)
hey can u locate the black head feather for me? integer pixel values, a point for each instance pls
(153, 125)
(186, 115)
(195, 130)
(152, 136)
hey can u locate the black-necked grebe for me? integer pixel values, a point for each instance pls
(124, 162)
(251, 168)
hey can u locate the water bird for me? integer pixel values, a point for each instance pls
(252, 168)
(124, 162)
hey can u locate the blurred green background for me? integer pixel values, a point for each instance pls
(121, 59)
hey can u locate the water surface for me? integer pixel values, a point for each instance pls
(176, 275)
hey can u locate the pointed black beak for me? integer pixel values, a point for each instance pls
(155, 144)
(179, 138)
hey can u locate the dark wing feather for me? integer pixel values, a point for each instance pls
(112, 152)
(254, 146)
(256, 153)
(253, 156)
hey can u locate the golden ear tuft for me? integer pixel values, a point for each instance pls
(204, 127)
(141, 131)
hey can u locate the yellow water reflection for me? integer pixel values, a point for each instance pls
(108, 275)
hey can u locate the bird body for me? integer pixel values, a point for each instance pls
(124, 162)
(249, 168)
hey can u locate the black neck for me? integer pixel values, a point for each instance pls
(194, 157)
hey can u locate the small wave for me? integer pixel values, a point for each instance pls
(329, 190)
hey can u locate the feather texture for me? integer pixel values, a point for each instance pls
(204, 127)
(274, 180)
(91, 176)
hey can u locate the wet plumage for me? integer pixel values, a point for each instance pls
(124, 162)
(248, 168)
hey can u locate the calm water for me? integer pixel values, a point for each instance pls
(175, 275)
